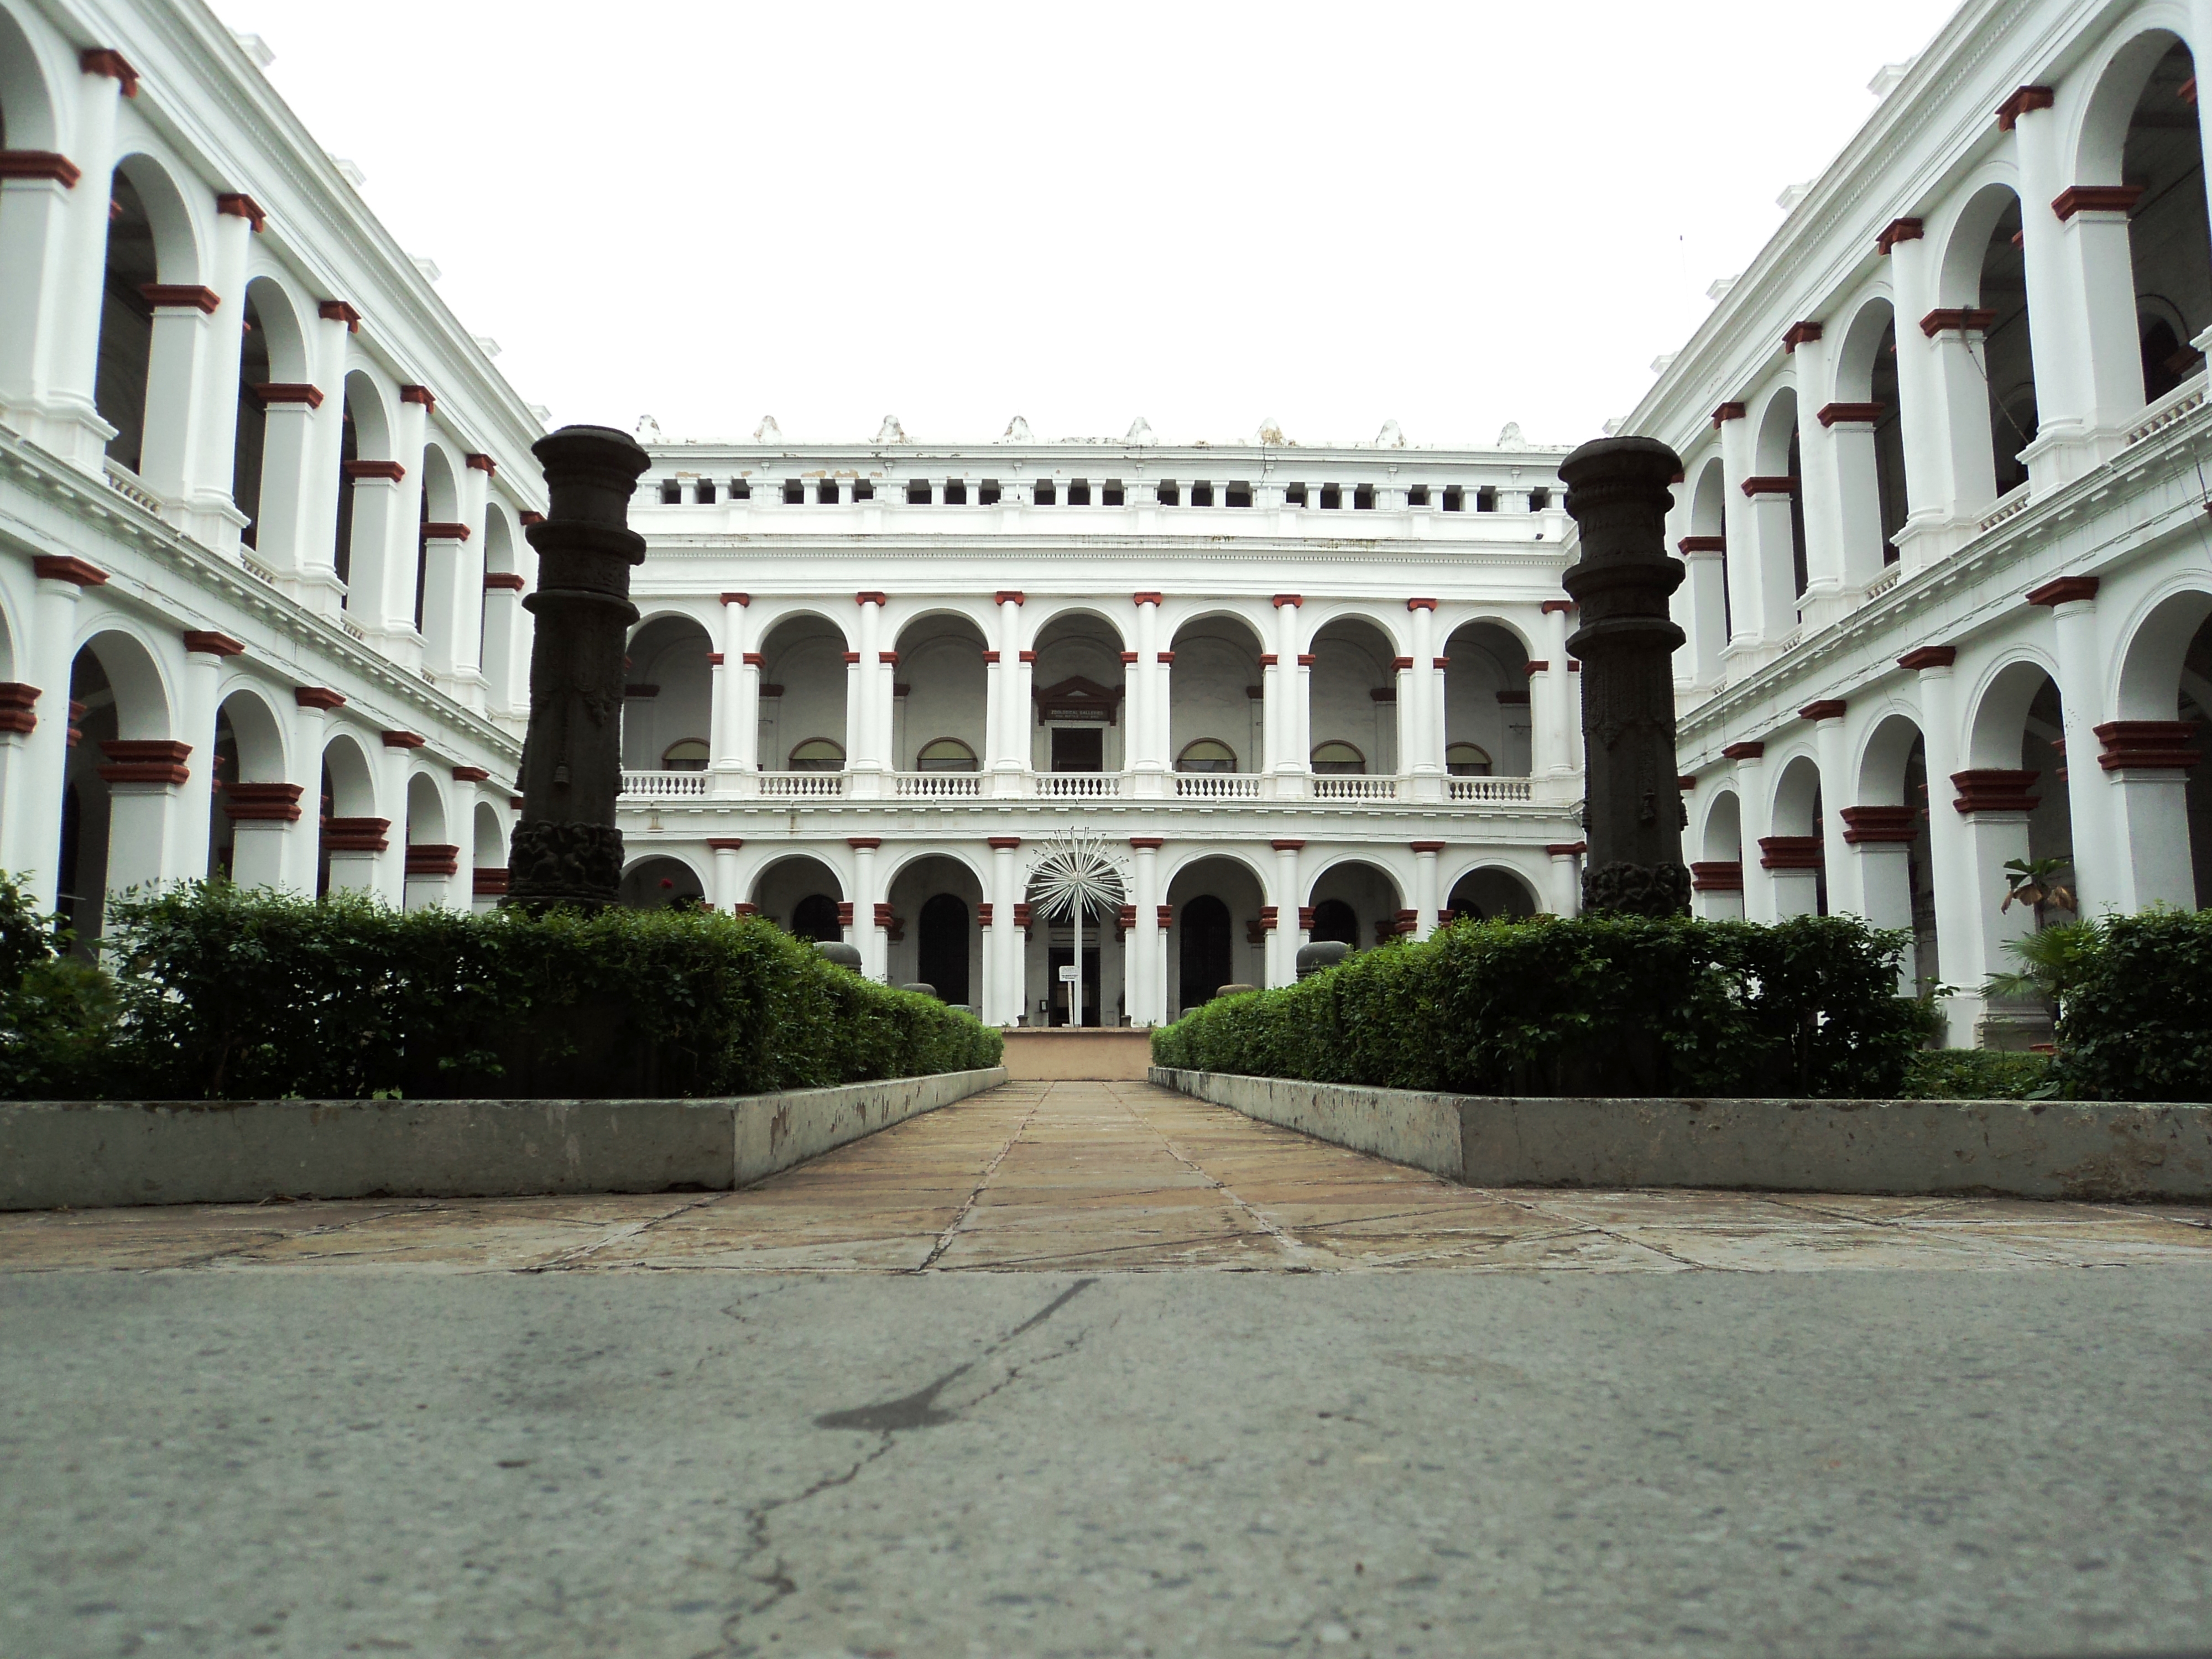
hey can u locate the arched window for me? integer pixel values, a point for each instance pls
(1206, 754)
(819, 755)
(1338, 759)
(688, 756)
(1467, 759)
(815, 917)
(945, 754)
(1334, 923)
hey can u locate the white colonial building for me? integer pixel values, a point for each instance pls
(1301, 692)
(1944, 506)
(261, 495)
(1943, 512)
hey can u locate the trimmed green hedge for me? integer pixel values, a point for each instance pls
(2135, 1020)
(1595, 1006)
(1978, 1074)
(224, 994)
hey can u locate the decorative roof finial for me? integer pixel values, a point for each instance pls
(767, 432)
(890, 432)
(1017, 432)
(1141, 431)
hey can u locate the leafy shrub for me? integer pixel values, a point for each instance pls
(226, 993)
(57, 1014)
(2135, 1020)
(1594, 1005)
(1977, 1074)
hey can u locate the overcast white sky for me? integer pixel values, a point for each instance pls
(1451, 216)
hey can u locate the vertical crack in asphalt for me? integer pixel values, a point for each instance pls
(945, 1239)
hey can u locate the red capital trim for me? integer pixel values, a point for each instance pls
(2148, 745)
(891, 657)
(1744, 750)
(1799, 334)
(1829, 414)
(1420, 604)
(737, 598)
(208, 643)
(1896, 231)
(999, 842)
(1028, 656)
(1567, 848)
(1564, 607)
(1268, 914)
(1305, 918)
(1685, 783)
(2022, 102)
(2065, 590)
(1305, 659)
(1129, 656)
(1428, 847)
(482, 464)
(869, 598)
(1730, 411)
(66, 567)
(317, 696)
(445, 533)
(237, 205)
(355, 835)
(851, 657)
(18, 702)
(420, 394)
(262, 803)
(1267, 659)
(845, 913)
(2095, 198)
(1401, 662)
(1021, 917)
(724, 843)
(337, 311)
(183, 296)
(1827, 708)
(1690, 544)
(1769, 485)
(488, 881)
(1966, 318)
(404, 740)
(503, 581)
(1928, 656)
(132, 759)
(40, 164)
(991, 658)
(1718, 878)
(1869, 826)
(985, 912)
(433, 859)
(755, 659)
(715, 659)
(469, 775)
(287, 391)
(1573, 667)
(1148, 843)
(1147, 599)
(1164, 914)
(1993, 789)
(1167, 657)
(391, 471)
(1282, 599)
(1009, 596)
(1790, 852)
(105, 60)
(885, 916)
(1434, 662)
(1288, 845)
(863, 842)
(530, 518)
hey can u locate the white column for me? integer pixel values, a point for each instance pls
(2099, 856)
(204, 655)
(390, 875)
(1876, 866)
(468, 631)
(1773, 557)
(1921, 413)
(1566, 876)
(1957, 904)
(445, 567)
(34, 810)
(315, 552)
(737, 735)
(141, 791)
(1846, 896)
(1968, 459)
(1149, 743)
(1551, 714)
(1706, 606)
(1014, 717)
(2149, 791)
(1148, 989)
(1282, 956)
(1284, 686)
(34, 268)
(212, 515)
(183, 343)
(303, 842)
(1857, 512)
(1744, 588)
(1753, 809)
(1425, 877)
(409, 426)
(866, 934)
(1424, 758)
(1825, 581)
(1407, 707)
(1005, 938)
(727, 894)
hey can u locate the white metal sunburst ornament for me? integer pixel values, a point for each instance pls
(1075, 877)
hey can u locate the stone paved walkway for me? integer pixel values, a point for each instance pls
(1093, 1176)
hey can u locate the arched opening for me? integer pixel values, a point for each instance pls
(1076, 689)
(126, 323)
(1370, 895)
(802, 696)
(250, 437)
(1053, 940)
(1217, 934)
(2169, 239)
(368, 483)
(1716, 873)
(1794, 855)
(2162, 775)
(668, 697)
(803, 897)
(1353, 694)
(1777, 511)
(27, 120)
(352, 835)
(2014, 798)
(251, 809)
(2008, 352)
(433, 857)
(122, 770)
(940, 697)
(1335, 922)
(1486, 729)
(942, 954)
(1217, 697)
(487, 858)
(1489, 895)
(661, 882)
(1868, 436)
(934, 938)
(1888, 834)
(438, 504)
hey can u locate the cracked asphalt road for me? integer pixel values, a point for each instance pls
(914, 1401)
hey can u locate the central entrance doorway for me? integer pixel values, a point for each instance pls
(1063, 955)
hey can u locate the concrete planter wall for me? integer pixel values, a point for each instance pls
(96, 1153)
(2029, 1149)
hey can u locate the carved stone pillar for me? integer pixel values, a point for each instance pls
(566, 850)
(1617, 492)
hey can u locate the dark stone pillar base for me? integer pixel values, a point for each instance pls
(1636, 890)
(551, 864)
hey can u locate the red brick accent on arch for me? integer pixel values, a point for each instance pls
(261, 803)
(1282, 599)
(1533, 667)
(851, 657)
(1147, 843)
(864, 842)
(998, 842)
(1420, 604)
(1685, 783)
(404, 740)
(1305, 659)
(1744, 750)
(65, 567)
(1827, 708)
(1866, 825)
(182, 298)
(985, 913)
(1896, 231)
(2066, 590)
(889, 657)
(133, 760)
(1268, 660)
(1129, 656)
(1165, 915)
(1167, 657)
(1021, 917)
(420, 394)
(445, 533)
(432, 859)
(337, 311)
(1717, 878)
(317, 696)
(105, 60)
(1009, 595)
(1769, 485)
(356, 834)
(488, 881)
(482, 464)
(2148, 745)
(1690, 544)
(18, 707)
(1928, 656)
(2022, 102)
(991, 657)
(716, 658)
(725, 843)
(755, 659)
(1849, 414)
(845, 913)
(471, 774)
(1029, 656)
(1428, 847)
(1401, 662)
(1565, 849)
(392, 471)
(2096, 198)
(40, 164)
(236, 204)
(1566, 606)
(502, 581)
(737, 598)
(1147, 599)
(1305, 918)
(208, 643)
(1790, 852)
(1992, 789)
(1799, 334)
(1730, 411)
(1967, 320)
(870, 596)
(1288, 845)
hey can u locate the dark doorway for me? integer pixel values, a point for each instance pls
(1334, 923)
(1061, 956)
(815, 917)
(1204, 925)
(941, 956)
(1078, 749)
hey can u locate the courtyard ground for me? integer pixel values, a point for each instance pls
(1095, 1369)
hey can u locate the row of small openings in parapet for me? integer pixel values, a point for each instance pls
(1080, 492)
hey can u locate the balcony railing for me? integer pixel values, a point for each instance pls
(937, 786)
(1077, 785)
(665, 785)
(1216, 785)
(2184, 397)
(797, 786)
(1355, 788)
(1488, 789)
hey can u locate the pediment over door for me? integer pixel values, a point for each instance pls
(1076, 698)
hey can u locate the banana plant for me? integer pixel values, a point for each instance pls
(2037, 881)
